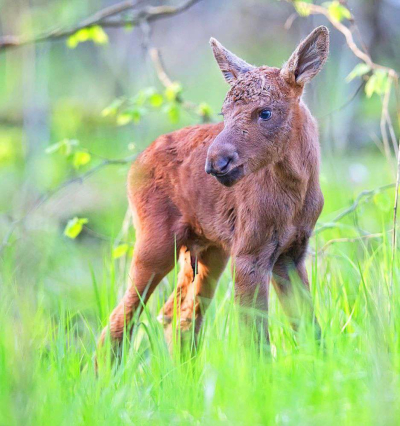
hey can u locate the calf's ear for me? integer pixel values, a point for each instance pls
(308, 59)
(231, 66)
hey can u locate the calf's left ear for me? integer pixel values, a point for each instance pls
(308, 59)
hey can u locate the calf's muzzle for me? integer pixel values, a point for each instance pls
(223, 161)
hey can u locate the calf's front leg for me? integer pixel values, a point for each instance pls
(296, 301)
(252, 280)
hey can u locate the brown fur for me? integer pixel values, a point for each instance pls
(261, 213)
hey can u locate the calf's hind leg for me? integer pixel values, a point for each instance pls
(153, 258)
(194, 292)
(185, 279)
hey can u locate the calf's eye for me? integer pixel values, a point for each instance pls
(265, 114)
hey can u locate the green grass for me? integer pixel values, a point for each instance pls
(57, 294)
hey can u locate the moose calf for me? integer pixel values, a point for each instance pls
(246, 188)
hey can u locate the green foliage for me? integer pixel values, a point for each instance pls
(377, 83)
(120, 250)
(358, 71)
(173, 111)
(10, 145)
(156, 100)
(131, 114)
(172, 92)
(337, 11)
(69, 149)
(113, 108)
(204, 110)
(302, 7)
(74, 227)
(150, 99)
(81, 158)
(95, 34)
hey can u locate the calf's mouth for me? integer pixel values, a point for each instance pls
(230, 177)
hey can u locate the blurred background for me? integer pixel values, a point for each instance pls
(58, 92)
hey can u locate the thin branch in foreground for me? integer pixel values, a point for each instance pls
(396, 196)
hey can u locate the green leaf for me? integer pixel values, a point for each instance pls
(113, 108)
(128, 27)
(172, 91)
(150, 95)
(302, 7)
(370, 86)
(377, 83)
(204, 110)
(81, 158)
(124, 119)
(358, 71)
(337, 11)
(141, 97)
(79, 37)
(120, 251)
(98, 35)
(173, 112)
(74, 227)
(156, 100)
(134, 114)
(95, 34)
(65, 147)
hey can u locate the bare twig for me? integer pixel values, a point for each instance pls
(396, 196)
(385, 105)
(162, 75)
(290, 20)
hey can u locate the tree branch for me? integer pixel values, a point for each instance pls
(101, 18)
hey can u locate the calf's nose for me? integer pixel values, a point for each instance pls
(218, 166)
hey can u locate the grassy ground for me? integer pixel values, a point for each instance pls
(57, 294)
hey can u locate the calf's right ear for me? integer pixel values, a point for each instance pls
(230, 65)
(308, 59)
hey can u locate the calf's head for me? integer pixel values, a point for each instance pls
(261, 108)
